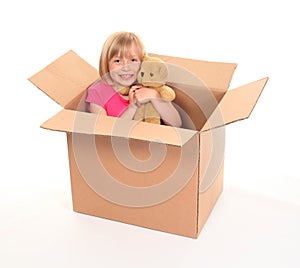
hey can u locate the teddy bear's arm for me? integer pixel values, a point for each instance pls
(167, 93)
(124, 91)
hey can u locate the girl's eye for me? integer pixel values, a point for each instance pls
(134, 60)
(117, 61)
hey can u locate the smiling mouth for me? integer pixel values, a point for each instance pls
(126, 76)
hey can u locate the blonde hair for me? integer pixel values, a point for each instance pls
(118, 43)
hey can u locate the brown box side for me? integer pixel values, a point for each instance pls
(177, 215)
(212, 146)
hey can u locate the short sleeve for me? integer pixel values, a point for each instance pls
(99, 93)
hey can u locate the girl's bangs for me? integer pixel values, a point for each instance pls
(123, 49)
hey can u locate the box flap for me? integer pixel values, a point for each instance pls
(206, 71)
(65, 78)
(237, 104)
(88, 123)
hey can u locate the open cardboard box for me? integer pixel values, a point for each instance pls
(154, 176)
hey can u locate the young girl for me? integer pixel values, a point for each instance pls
(119, 64)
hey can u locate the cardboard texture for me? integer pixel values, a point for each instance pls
(149, 175)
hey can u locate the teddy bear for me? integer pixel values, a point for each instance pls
(153, 73)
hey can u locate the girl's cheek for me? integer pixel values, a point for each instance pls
(111, 67)
(136, 67)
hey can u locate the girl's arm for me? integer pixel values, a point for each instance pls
(131, 109)
(96, 109)
(167, 111)
(130, 112)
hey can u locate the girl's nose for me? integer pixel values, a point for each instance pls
(125, 67)
(125, 64)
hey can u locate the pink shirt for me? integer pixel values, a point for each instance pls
(105, 96)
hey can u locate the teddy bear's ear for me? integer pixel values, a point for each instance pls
(163, 72)
(154, 59)
(145, 58)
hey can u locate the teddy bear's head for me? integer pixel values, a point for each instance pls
(153, 72)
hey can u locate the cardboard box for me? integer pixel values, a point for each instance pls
(148, 175)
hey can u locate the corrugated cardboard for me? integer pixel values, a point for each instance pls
(149, 175)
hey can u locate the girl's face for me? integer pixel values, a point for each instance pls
(123, 70)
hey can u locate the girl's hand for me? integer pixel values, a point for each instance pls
(131, 94)
(145, 94)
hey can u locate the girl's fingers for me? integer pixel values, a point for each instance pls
(133, 88)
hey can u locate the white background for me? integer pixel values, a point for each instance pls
(255, 222)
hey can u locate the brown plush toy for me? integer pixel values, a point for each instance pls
(153, 73)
